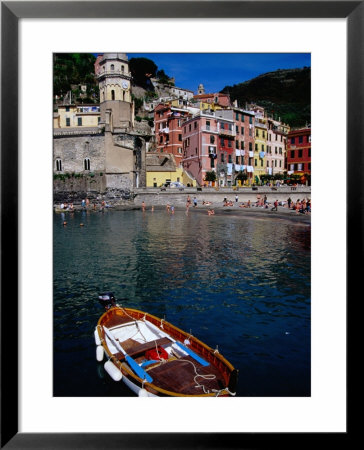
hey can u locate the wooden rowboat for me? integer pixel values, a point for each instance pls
(156, 359)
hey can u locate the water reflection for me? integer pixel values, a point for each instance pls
(240, 283)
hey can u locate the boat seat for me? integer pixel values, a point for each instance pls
(138, 348)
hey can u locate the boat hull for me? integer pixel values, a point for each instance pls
(191, 368)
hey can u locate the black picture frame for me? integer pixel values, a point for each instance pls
(11, 12)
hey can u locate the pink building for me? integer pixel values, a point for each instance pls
(200, 136)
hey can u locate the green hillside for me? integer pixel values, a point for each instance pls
(70, 70)
(284, 93)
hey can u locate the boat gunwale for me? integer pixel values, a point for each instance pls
(209, 352)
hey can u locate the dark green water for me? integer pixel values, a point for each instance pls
(240, 283)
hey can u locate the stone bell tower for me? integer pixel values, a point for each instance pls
(117, 118)
(201, 89)
(116, 105)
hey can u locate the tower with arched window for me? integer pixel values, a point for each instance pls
(116, 105)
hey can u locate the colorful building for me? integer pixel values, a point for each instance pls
(200, 136)
(299, 152)
(260, 147)
(76, 116)
(276, 147)
(168, 130)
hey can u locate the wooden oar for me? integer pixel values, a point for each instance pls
(132, 363)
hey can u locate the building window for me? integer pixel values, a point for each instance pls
(161, 139)
(195, 125)
(250, 147)
(264, 134)
(275, 163)
(242, 117)
(207, 125)
(179, 150)
(229, 143)
(180, 137)
(222, 142)
(237, 159)
(86, 163)
(255, 162)
(222, 157)
(300, 153)
(189, 127)
(230, 159)
(309, 152)
(212, 139)
(257, 133)
(112, 95)
(112, 67)
(236, 144)
(300, 139)
(237, 129)
(242, 145)
(250, 132)
(256, 147)
(242, 130)
(299, 166)
(58, 165)
(292, 140)
(292, 153)
(262, 148)
(68, 122)
(122, 69)
(237, 116)
(212, 162)
(79, 121)
(250, 120)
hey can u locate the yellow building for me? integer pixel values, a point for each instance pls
(76, 116)
(260, 147)
(161, 169)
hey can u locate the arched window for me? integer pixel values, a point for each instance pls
(112, 95)
(86, 163)
(58, 165)
(122, 69)
(112, 67)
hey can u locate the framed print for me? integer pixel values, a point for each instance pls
(45, 420)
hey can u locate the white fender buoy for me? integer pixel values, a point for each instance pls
(113, 371)
(99, 353)
(143, 393)
(97, 337)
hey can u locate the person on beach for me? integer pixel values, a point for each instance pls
(188, 200)
(152, 208)
(248, 205)
(210, 212)
(143, 206)
(172, 209)
(289, 201)
(194, 201)
(236, 198)
(265, 200)
(275, 207)
(167, 207)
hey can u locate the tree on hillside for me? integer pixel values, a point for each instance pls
(142, 69)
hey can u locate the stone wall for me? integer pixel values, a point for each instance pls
(178, 198)
(72, 151)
